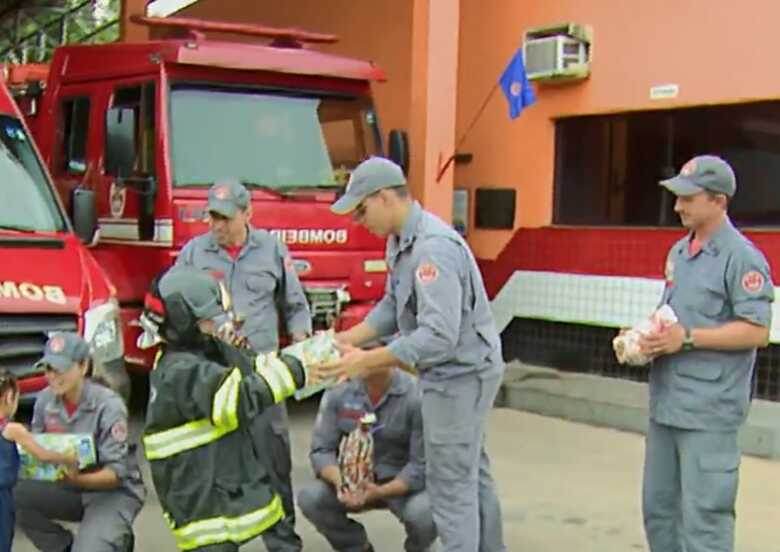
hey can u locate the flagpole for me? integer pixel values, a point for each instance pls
(459, 143)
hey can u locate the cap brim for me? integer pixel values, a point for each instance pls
(681, 186)
(222, 207)
(345, 204)
(59, 362)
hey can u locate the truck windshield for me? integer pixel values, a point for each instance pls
(28, 200)
(268, 139)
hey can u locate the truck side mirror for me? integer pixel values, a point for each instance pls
(84, 214)
(120, 141)
(398, 149)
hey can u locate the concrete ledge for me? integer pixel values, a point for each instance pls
(617, 404)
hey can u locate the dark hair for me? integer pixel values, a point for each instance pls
(7, 383)
(715, 195)
(402, 191)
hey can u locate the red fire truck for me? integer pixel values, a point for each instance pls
(48, 281)
(148, 128)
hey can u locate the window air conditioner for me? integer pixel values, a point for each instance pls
(553, 54)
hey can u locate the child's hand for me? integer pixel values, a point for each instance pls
(71, 474)
(71, 461)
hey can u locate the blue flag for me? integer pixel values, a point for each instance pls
(515, 86)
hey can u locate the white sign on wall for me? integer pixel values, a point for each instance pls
(664, 91)
(164, 8)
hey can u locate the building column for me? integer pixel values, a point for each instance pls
(128, 31)
(435, 32)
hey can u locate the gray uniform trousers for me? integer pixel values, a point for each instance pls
(271, 431)
(322, 508)
(105, 517)
(689, 489)
(457, 470)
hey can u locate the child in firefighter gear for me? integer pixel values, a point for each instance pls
(104, 499)
(204, 394)
(341, 454)
(259, 273)
(11, 435)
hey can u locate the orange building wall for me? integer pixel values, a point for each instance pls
(377, 31)
(716, 51)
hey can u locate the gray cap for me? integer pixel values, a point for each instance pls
(63, 350)
(372, 175)
(227, 196)
(199, 290)
(703, 173)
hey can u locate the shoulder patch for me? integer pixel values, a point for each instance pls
(427, 273)
(753, 281)
(288, 263)
(119, 431)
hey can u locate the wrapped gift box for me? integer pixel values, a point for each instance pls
(356, 455)
(81, 445)
(319, 349)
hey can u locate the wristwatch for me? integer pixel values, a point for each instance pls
(687, 340)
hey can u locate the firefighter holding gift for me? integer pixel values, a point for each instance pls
(105, 499)
(719, 285)
(398, 460)
(213, 486)
(259, 275)
(436, 300)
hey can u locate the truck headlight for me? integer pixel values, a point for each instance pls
(102, 331)
(374, 265)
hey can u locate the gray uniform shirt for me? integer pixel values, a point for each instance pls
(102, 414)
(436, 300)
(727, 280)
(398, 438)
(262, 283)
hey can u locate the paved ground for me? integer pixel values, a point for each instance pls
(563, 486)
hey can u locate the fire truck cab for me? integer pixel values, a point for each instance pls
(49, 280)
(149, 127)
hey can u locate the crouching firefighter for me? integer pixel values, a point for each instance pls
(213, 488)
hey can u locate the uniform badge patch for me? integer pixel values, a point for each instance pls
(119, 431)
(689, 168)
(288, 263)
(57, 344)
(752, 281)
(427, 273)
(222, 192)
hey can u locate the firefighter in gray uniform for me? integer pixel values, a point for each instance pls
(399, 462)
(436, 301)
(258, 272)
(105, 499)
(719, 285)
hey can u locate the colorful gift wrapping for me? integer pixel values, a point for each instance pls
(626, 346)
(356, 455)
(81, 445)
(319, 349)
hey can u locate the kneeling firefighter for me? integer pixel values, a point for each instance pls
(213, 489)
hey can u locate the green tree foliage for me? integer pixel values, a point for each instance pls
(31, 29)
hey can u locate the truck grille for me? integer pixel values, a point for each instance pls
(325, 304)
(23, 336)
